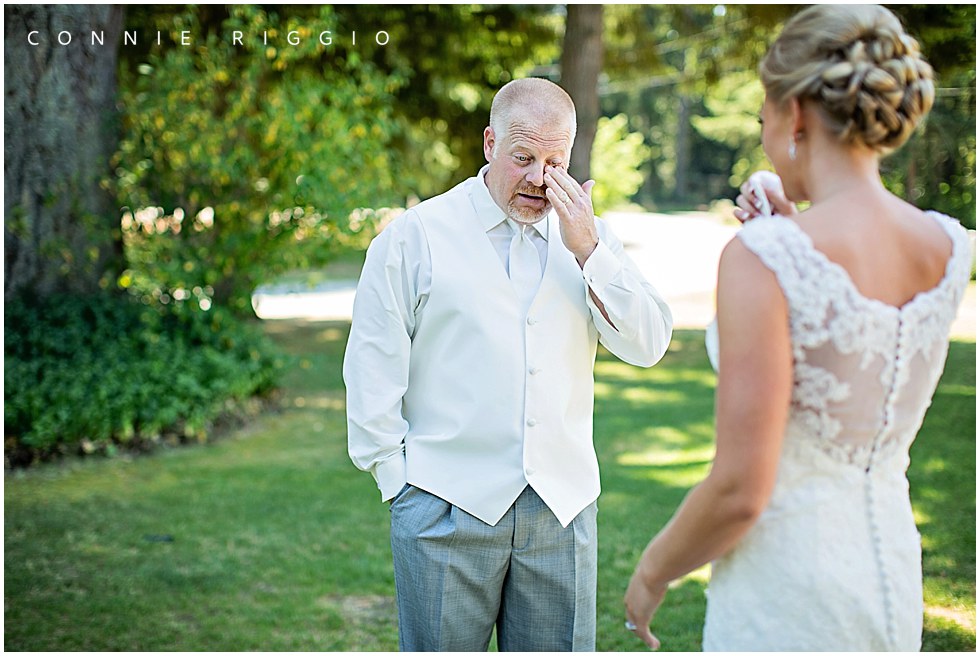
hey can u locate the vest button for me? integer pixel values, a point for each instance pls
(529, 471)
(533, 370)
(531, 321)
(532, 422)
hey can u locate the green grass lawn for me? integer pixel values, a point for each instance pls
(269, 539)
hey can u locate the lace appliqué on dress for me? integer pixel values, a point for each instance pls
(826, 311)
(814, 388)
(834, 562)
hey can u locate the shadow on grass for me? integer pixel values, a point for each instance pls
(654, 437)
(279, 544)
(941, 634)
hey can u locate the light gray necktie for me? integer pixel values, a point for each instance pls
(525, 265)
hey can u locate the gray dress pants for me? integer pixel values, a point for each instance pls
(456, 577)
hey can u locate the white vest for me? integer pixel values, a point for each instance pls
(497, 399)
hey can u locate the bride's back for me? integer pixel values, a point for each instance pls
(871, 286)
(870, 298)
(889, 249)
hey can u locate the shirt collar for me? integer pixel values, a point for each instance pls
(490, 215)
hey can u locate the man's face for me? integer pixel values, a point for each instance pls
(516, 174)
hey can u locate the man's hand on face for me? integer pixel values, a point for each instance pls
(573, 203)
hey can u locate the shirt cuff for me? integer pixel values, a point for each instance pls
(601, 267)
(390, 475)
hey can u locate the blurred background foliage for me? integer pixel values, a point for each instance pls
(289, 149)
(241, 162)
(617, 156)
(235, 163)
(686, 76)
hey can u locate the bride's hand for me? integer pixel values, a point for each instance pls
(642, 601)
(750, 206)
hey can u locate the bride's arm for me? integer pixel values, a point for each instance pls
(752, 402)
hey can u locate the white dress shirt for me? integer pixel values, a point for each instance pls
(468, 396)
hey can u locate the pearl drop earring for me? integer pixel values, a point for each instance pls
(792, 149)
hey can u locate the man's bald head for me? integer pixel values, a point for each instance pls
(531, 103)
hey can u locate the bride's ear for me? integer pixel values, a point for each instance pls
(797, 117)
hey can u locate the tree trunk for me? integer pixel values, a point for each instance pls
(61, 226)
(682, 153)
(581, 62)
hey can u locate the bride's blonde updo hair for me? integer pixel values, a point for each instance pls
(857, 64)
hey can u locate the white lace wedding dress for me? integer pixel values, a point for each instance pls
(834, 562)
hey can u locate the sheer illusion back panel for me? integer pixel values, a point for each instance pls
(834, 562)
(864, 370)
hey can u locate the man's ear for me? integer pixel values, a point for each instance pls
(489, 141)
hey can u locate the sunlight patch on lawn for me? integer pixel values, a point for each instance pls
(965, 618)
(957, 390)
(677, 441)
(679, 476)
(933, 465)
(637, 394)
(921, 518)
(660, 457)
(662, 373)
(923, 493)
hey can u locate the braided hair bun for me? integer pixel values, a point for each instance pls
(857, 64)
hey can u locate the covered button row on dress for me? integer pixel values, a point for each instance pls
(887, 421)
(876, 541)
(890, 396)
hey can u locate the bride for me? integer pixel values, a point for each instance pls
(833, 329)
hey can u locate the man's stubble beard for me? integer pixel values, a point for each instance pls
(527, 216)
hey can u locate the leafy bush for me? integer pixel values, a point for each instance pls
(242, 162)
(617, 155)
(93, 372)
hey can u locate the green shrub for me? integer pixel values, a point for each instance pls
(93, 372)
(241, 162)
(617, 156)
